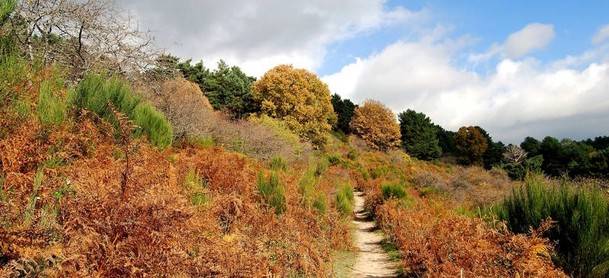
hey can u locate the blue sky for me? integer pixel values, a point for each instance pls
(516, 68)
(489, 22)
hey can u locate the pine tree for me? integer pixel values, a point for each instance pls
(419, 135)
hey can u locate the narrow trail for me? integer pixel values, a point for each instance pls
(372, 260)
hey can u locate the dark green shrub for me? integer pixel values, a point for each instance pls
(334, 159)
(582, 221)
(344, 199)
(391, 190)
(102, 96)
(272, 192)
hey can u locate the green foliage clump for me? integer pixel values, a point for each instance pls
(391, 190)
(582, 222)
(152, 123)
(344, 199)
(102, 96)
(278, 164)
(419, 135)
(334, 159)
(51, 108)
(320, 204)
(272, 192)
(195, 186)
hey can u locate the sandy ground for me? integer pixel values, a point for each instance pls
(372, 260)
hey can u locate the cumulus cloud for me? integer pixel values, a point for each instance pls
(534, 36)
(260, 34)
(520, 97)
(602, 35)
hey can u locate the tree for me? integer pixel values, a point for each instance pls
(553, 162)
(82, 35)
(419, 136)
(376, 124)
(299, 98)
(471, 145)
(494, 153)
(344, 110)
(227, 88)
(531, 145)
(446, 140)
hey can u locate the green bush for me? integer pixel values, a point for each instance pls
(582, 221)
(13, 70)
(320, 204)
(334, 159)
(272, 192)
(344, 199)
(51, 108)
(391, 190)
(278, 164)
(153, 124)
(101, 96)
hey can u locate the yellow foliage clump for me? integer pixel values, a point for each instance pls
(376, 124)
(299, 98)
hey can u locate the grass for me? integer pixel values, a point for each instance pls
(196, 185)
(272, 192)
(277, 163)
(344, 199)
(582, 221)
(393, 190)
(51, 108)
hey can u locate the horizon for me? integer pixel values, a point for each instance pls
(537, 70)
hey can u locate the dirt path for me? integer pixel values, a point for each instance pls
(372, 260)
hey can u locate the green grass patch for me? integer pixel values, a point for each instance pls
(344, 199)
(277, 163)
(582, 222)
(272, 192)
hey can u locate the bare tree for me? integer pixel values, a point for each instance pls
(514, 154)
(83, 35)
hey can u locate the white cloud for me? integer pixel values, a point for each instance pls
(260, 34)
(518, 98)
(534, 36)
(602, 35)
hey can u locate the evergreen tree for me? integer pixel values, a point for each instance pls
(531, 146)
(344, 110)
(419, 136)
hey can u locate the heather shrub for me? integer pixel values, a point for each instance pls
(344, 199)
(272, 192)
(581, 218)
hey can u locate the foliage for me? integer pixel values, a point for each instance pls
(471, 144)
(436, 242)
(344, 110)
(376, 125)
(102, 96)
(226, 87)
(446, 140)
(419, 135)
(299, 98)
(278, 164)
(51, 108)
(6, 8)
(391, 190)
(581, 215)
(272, 192)
(344, 199)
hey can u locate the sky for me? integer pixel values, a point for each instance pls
(515, 68)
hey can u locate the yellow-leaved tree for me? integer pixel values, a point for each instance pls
(299, 98)
(377, 125)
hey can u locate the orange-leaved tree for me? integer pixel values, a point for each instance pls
(377, 125)
(471, 144)
(299, 98)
